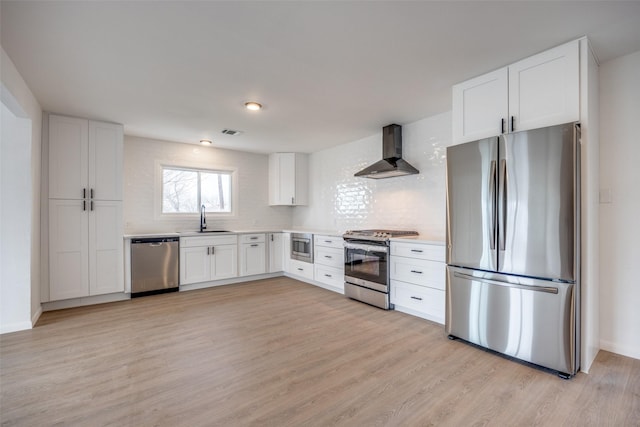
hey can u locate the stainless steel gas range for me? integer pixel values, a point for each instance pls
(366, 265)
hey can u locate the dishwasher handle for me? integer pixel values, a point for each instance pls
(147, 240)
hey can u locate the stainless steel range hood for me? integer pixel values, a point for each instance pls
(392, 163)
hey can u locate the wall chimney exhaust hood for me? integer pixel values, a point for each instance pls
(391, 164)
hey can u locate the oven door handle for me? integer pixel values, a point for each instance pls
(368, 248)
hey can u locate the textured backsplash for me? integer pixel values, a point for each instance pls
(140, 188)
(339, 201)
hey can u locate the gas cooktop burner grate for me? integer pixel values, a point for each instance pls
(378, 234)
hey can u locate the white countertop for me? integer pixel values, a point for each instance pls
(333, 233)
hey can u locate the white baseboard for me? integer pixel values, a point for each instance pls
(621, 349)
(233, 280)
(14, 327)
(36, 316)
(79, 302)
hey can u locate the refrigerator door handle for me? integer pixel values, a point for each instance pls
(502, 204)
(545, 289)
(492, 198)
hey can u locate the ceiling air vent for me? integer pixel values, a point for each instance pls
(231, 132)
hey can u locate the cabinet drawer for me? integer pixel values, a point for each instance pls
(252, 238)
(419, 251)
(418, 271)
(328, 241)
(428, 302)
(188, 242)
(329, 276)
(301, 268)
(331, 257)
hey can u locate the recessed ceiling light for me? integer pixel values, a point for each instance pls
(206, 142)
(253, 106)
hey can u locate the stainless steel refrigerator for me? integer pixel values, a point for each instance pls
(513, 245)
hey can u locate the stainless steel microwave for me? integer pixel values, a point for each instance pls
(302, 246)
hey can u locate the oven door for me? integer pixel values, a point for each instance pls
(302, 247)
(366, 265)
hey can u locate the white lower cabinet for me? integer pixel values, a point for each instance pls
(301, 268)
(85, 248)
(253, 254)
(204, 259)
(418, 279)
(275, 243)
(329, 261)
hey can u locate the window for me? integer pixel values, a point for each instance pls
(185, 190)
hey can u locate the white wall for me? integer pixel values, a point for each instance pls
(251, 206)
(27, 107)
(340, 201)
(619, 228)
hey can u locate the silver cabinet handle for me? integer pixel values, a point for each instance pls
(84, 193)
(328, 275)
(417, 250)
(213, 251)
(254, 246)
(254, 238)
(418, 298)
(416, 271)
(300, 269)
(91, 204)
(328, 241)
(208, 250)
(84, 205)
(272, 237)
(292, 200)
(328, 256)
(91, 193)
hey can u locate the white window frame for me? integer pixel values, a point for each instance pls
(161, 165)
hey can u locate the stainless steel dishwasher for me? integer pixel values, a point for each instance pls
(154, 265)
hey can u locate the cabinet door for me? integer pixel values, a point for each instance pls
(479, 106)
(105, 160)
(68, 249)
(544, 89)
(253, 259)
(106, 269)
(282, 179)
(224, 262)
(276, 252)
(68, 157)
(195, 265)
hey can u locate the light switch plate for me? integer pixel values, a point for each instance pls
(605, 195)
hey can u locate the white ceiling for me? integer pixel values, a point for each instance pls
(327, 72)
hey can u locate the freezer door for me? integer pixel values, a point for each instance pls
(538, 203)
(532, 320)
(471, 205)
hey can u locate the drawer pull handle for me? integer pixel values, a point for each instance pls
(300, 269)
(328, 256)
(254, 246)
(254, 238)
(328, 241)
(418, 298)
(416, 271)
(417, 250)
(328, 275)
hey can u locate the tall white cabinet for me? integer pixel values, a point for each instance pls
(542, 90)
(85, 208)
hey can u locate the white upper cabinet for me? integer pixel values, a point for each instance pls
(539, 91)
(480, 105)
(105, 160)
(68, 157)
(84, 155)
(288, 179)
(544, 90)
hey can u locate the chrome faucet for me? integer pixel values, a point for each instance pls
(203, 219)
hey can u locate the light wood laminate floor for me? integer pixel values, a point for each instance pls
(279, 352)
